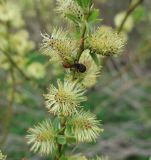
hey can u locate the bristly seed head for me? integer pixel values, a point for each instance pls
(2, 157)
(58, 46)
(65, 99)
(106, 42)
(42, 138)
(89, 77)
(66, 7)
(85, 126)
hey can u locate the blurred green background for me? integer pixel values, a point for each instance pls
(121, 97)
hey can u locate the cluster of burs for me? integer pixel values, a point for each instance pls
(79, 51)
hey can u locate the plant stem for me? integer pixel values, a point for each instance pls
(128, 13)
(9, 112)
(83, 32)
(82, 38)
(8, 51)
(61, 146)
(15, 65)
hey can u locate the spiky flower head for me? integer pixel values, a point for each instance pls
(42, 138)
(65, 99)
(58, 46)
(9, 12)
(2, 157)
(69, 7)
(88, 78)
(36, 70)
(106, 42)
(20, 43)
(85, 126)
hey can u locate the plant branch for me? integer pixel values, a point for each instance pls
(9, 113)
(61, 146)
(13, 63)
(130, 10)
(128, 13)
(83, 32)
(82, 38)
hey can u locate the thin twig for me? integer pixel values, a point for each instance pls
(13, 63)
(128, 13)
(130, 10)
(82, 39)
(62, 132)
(9, 114)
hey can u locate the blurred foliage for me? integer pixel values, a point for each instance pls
(121, 98)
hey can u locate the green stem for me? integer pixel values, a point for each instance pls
(128, 13)
(13, 63)
(9, 113)
(130, 10)
(82, 38)
(83, 32)
(61, 146)
(81, 47)
(15, 66)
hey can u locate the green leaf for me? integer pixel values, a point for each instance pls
(84, 3)
(71, 140)
(95, 58)
(139, 14)
(63, 158)
(68, 130)
(73, 18)
(94, 16)
(79, 2)
(35, 57)
(61, 139)
(56, 124)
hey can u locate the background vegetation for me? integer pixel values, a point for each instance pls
(121, 98)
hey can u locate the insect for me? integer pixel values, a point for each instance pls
(79, 67)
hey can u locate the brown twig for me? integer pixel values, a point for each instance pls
(130, 10)
(82, 40)
(128, 13)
